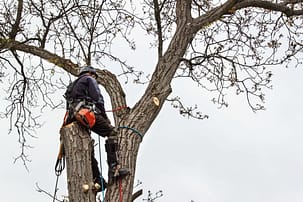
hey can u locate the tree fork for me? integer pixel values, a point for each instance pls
(78, 150)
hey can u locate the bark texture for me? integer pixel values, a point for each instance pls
(78, 149)
(142, 115)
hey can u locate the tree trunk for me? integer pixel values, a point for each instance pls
(122, 189)
(78, 149)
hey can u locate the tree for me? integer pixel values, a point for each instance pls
(221, 46)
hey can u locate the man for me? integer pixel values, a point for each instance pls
(85, 92)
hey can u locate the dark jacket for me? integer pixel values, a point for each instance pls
(86, 87)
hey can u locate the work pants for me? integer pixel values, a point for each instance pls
(103, 128)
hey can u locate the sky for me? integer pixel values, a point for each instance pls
(236, 155)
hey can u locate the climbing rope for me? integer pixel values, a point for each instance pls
(100, 162)
(60, 163)
(134, 130)
(117, 109)
(56, 188)
(59, 167)
(120, 190)
(126, 127)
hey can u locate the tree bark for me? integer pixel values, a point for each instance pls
(142, 115)
(78, 150)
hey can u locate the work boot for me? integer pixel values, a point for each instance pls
(115, 170)
(118, 172)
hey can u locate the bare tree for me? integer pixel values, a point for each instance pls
(221, 46)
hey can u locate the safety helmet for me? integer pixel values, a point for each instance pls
(88, 69)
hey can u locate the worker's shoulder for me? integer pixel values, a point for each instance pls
(86, 78)
(92, 80)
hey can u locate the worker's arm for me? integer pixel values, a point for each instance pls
(95, 94)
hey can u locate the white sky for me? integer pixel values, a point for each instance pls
(234, 156)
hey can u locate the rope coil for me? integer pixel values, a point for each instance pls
(126, 127)
(134, 130)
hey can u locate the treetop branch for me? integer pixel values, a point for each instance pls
(286, 7)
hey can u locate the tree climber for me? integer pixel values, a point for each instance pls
(84, 93)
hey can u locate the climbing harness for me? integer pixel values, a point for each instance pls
(83, 112)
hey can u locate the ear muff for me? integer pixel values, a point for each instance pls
(86, 117)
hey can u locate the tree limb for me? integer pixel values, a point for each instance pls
(213, 15)
(15, 27)
(157, 14)
(281, 7)
(106, 79)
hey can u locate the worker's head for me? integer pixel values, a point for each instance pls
(88, 69)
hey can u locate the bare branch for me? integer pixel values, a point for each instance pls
(286, 7)
(16, 27)
(159, 28)
(47, 193)
(189, 112)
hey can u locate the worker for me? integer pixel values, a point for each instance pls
(85, 90)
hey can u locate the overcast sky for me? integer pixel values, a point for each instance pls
(234, 156)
